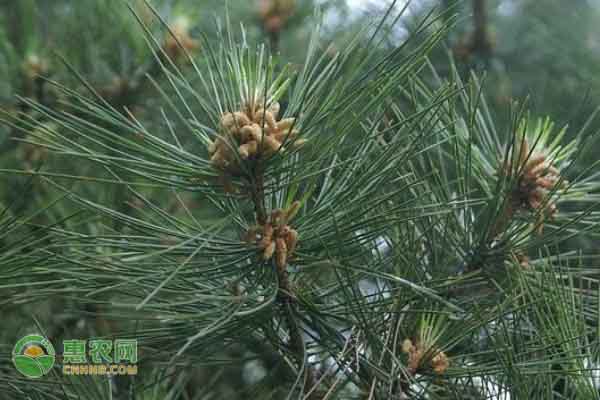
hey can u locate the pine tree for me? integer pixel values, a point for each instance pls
(348, 224)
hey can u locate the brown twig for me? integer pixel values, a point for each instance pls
(257, 193)
(274, 38)
(481, 42)
(285, 297)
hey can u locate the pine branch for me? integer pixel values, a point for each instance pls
(285, 296)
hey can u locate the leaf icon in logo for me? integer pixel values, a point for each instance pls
(28, 366)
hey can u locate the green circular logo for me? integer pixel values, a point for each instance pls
(33, 356)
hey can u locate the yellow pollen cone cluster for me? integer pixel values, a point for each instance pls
(252, 133)
(537, 178)
(275, 13)
(276, 238)
(180, 31)
(438, 361)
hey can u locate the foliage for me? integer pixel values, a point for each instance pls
(348, 224)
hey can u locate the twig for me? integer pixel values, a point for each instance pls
(481, 43)
(285, 297)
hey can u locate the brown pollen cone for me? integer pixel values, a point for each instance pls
(178, 40)
(275, 13)
(275, 239)
(536, 177)
(34, 66)
(252, 133)
(437, 360)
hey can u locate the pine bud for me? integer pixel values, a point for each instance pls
(416, 354)
(265, 117)
(275, 13)
(212, 147)
(282, 136)
(292, 210)
(252, 132)
(407, 346)
(218, 159)
(34, 66)
(440, 363)
(268, 231)
(277, 217)
(178, 39)
(269, 250)
(252, 235)
(286, 124)
(253, 124)
(274, 108)
(298, 143)
(281, 251)
(248, 149)
(536, 166)
(291, 240)
(235, 120)
(270, 145)
(535, 178)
